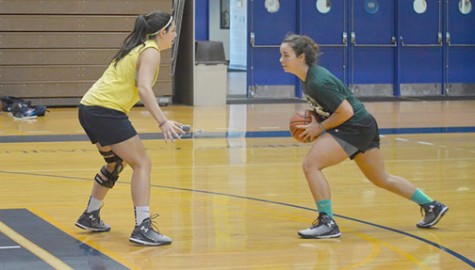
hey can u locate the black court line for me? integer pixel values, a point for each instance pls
(451, 252)
(76, 254)
(445, 249)
(236, 134)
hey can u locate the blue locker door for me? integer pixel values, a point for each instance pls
(421, 59)
(269, 23)
(328, 27)
(460, 46)
(373, 47)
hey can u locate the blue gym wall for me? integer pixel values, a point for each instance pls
(201, 20)
(379, 48)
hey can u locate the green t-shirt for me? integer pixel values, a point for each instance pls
(325, 92)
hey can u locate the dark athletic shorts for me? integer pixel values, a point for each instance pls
(356, 138)
(106, 126)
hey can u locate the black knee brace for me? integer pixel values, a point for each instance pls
(111, 177)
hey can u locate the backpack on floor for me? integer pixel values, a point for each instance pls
(9, 101)
(21, 108)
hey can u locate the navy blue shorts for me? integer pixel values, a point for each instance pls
(105, 126)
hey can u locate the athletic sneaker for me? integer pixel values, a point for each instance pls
(322, 227)
(22, 110)
(25, 114)
(145, 234)
(92, 222)
(432, 213)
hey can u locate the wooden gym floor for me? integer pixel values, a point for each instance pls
(233, 195)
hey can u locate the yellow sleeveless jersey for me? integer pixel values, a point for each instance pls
(117, 88)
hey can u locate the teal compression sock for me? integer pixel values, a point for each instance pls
(420, 197)
(325, 206)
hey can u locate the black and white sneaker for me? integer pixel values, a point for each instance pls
(145, 234)
(323, 227)
(92, 222)
(432, 213)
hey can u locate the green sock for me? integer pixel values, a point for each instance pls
(325, 206)
(420, 197)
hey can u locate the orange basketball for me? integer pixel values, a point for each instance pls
(300, 118)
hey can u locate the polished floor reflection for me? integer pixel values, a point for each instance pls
(233, 196)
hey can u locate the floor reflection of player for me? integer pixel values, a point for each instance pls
(94, 257)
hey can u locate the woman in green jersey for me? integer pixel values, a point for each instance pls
(347, 130)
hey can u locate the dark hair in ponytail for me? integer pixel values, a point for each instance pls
(146, 26)
(303, 44)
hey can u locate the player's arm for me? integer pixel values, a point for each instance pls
(148, 64)
(342, 113)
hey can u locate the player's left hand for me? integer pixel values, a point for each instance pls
(172, 130)
(311, 131)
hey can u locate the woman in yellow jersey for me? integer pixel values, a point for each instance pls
(103, 115)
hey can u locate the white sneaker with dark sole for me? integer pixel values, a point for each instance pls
(145, 234)
(92, 222)
(323, 227)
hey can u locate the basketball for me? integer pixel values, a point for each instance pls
(300, 118)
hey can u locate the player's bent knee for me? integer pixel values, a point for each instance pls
(110, 177)
(379, 182)
(309, 166)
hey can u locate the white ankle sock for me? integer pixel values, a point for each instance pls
(93, 204)
(141, 213)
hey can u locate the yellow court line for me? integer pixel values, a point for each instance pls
(33, 248)
(375, 242)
